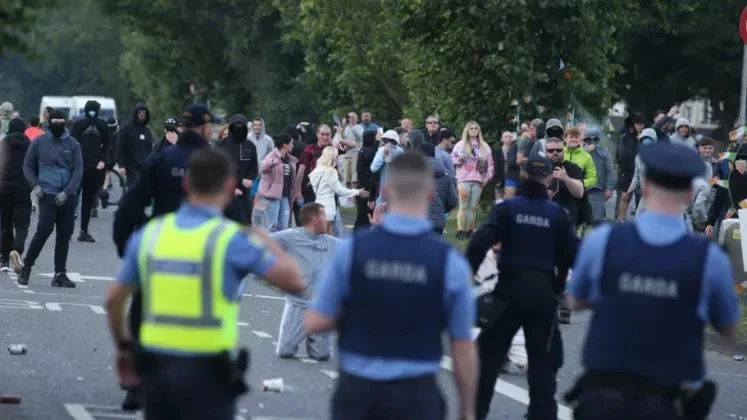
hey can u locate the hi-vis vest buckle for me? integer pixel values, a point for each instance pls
(203, 269)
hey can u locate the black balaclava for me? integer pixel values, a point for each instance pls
(16, 125)
(57, 129)
(91, 109)
(238, 131)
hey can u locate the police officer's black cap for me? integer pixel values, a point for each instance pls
(671, 166)
(197, 115)
(538, 166)
(172, 123)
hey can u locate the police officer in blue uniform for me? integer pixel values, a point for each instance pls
(182, 360)
(648, 364)
(537, 242)
(390, 292)
(159, 184)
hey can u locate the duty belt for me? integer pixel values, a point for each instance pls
(627, 384)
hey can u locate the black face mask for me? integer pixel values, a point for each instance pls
(57, 130)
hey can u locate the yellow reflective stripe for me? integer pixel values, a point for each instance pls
(206, 276)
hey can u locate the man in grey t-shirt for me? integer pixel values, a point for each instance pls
(310, 247)
(527, 143)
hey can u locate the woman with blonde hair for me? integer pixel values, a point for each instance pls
(325, 180)
(474, 169)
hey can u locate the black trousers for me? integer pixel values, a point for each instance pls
(93, 180)
(186, 389)
(131, 177)
(362, 399)
(610, 404)
(531, 306)
(361, 217)
(51, 217)
(15, 214)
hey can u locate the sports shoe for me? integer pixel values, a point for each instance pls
(61, 280)
(15, 261)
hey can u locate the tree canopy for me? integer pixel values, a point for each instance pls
(296, 60)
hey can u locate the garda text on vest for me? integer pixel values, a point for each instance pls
(532, 220)
(649, 286)
(401, 271)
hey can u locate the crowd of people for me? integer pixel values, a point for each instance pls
(191, 194)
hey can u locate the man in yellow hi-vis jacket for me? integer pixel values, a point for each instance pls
(189, 266)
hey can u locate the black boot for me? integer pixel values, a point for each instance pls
(131, 402)
(23, 278)
(61, 280)
(85, 237)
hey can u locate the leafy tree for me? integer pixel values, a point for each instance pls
(17, 19)
(72, 51)
(690, 50)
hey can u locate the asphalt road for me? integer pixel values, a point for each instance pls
(67, 372)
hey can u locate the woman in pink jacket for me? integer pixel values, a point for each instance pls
(277, 185)
(474, 169)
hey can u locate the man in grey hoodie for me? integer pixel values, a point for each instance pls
(53, 167)
(258, 136)
(602, 191)
(310, 247)
(682, 135)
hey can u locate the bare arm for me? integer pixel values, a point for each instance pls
(299, 178)
(575, 187)
(116, 300)
(465, 374)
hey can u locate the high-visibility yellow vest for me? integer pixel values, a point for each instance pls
(181, 271)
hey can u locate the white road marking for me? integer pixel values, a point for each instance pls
(331, 373)
(242, 324)
(307, 360)
(53, 306)
(261, 334)
(78, 412)
(20, 286)
(514, 392)
(102, 278)
(263, 296)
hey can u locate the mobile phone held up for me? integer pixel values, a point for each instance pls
(336, 121)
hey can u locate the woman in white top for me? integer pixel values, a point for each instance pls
(326, 183)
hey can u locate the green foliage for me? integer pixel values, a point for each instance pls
(692, 48)
(296, 60)
(66, 60)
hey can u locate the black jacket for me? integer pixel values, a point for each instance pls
(499, 162)
(16, 145)
(157, 185)
(135, 141)
(367, 179)
(627, 150)
(93, 135)
(242, 150)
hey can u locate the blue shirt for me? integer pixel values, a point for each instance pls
(242, 256)
(334, 288)
(718, 301)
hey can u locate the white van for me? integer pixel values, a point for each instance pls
(108, 106)
(61, 103)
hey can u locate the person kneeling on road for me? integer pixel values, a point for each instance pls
(311, 247)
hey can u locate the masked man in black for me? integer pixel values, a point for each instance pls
(93, 135)
(244, 153)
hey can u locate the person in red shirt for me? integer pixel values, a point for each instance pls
(307, 163)
(33, 131)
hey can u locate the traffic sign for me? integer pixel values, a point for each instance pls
(743, 26)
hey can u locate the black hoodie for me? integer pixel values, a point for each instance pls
(242, 150)
(135, 141)
(93, 135)
(366, 178)
(16, 144)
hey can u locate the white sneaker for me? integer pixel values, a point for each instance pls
(15, 261)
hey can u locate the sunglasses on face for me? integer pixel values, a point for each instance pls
(554, 150)
(431, 122)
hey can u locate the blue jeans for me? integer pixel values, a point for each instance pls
(337, 225)
(278, 214)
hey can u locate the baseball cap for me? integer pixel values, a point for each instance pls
(197, 115)
(171, 123)
(538, 166)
